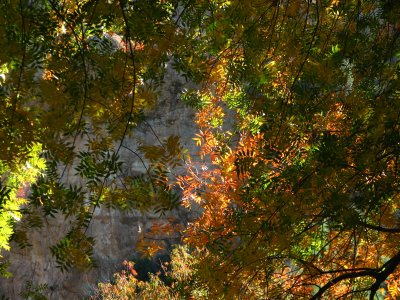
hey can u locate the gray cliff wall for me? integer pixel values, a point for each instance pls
(116, 233)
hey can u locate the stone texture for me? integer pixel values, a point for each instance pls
(116, 232)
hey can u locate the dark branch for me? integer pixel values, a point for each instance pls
(379, 228)
(380, 276)
(322, 290)
(387, 269)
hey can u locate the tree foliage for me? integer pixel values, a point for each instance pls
(179, 281)
(298, 114)
(301, 199)
(76, 78)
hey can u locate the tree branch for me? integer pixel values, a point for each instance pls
(379, 228)
(387, 269)
(380, 276)
(322, 290)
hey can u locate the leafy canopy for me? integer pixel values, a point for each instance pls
(300, 199)
(298, 114)
(76, 78)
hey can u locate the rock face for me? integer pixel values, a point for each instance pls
(116, 233)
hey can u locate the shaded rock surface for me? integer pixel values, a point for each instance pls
(116, 233)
